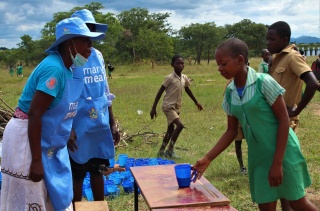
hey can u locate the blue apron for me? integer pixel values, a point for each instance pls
(56, 127)
(91, 124)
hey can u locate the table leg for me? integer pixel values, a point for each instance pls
(136, 205)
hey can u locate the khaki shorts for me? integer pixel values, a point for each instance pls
(171, 113)
(240, 135)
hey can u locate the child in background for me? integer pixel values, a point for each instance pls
(290, 70)
(110, 69)
(11, 70)
(263, 66)
(277, 168)
(173, 85)
(19, 70)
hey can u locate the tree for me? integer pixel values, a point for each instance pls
(251, 33)
(136, 20)
(113, 35)
(26, 47)
(202, 38)
(9, 57)
(154, 45)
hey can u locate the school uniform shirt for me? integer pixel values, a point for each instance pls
(91, 124)
(263, 67)
(287, 67)
(260, 126)
(174, 86)
(19, 70)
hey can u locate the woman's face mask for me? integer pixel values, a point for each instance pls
(78, 60)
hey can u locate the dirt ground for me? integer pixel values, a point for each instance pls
(313, 195)
(315, 107)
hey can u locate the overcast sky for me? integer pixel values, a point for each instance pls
(20, 17)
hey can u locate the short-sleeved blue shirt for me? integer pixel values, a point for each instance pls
(49, 77)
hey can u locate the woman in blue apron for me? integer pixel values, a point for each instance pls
(35, 163)
(91, 142)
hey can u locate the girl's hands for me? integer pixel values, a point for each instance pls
(200, 166)
(275, 175)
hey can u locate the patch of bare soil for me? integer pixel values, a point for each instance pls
(315, 108)
(314, 197)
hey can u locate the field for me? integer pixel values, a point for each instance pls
(135, 88)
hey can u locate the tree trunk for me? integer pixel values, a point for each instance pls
(134, 54)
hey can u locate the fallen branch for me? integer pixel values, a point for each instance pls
(8, 107)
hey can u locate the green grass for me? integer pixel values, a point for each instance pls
(135, 88)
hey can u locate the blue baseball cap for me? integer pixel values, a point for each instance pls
(70, 28)
(87, 17)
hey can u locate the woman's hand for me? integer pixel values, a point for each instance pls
(72, 141)
(115, 134)
(36, 171)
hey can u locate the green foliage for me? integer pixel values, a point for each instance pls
(108, 45)
(9, 57)
(202, 38)
(138, 36)
(26, 48)
(145, 35)
(250, 32)
(154, 45)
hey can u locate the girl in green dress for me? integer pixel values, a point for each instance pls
(276, 166)
(11, 70)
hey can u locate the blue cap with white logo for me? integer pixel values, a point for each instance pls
(87, 17)
(70, 28)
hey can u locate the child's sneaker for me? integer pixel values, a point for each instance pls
(243, 170)
(170, 154)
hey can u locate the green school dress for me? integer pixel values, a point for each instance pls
(11, 70)
(260, 127)
(19, 70)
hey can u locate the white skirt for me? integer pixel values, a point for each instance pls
(18, 192)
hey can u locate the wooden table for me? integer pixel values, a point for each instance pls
(159, 187)
(201, 208)
(91, 206)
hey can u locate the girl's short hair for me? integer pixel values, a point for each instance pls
(235, 47)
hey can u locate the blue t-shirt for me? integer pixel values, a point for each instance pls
(240, 91)
(49, 77)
